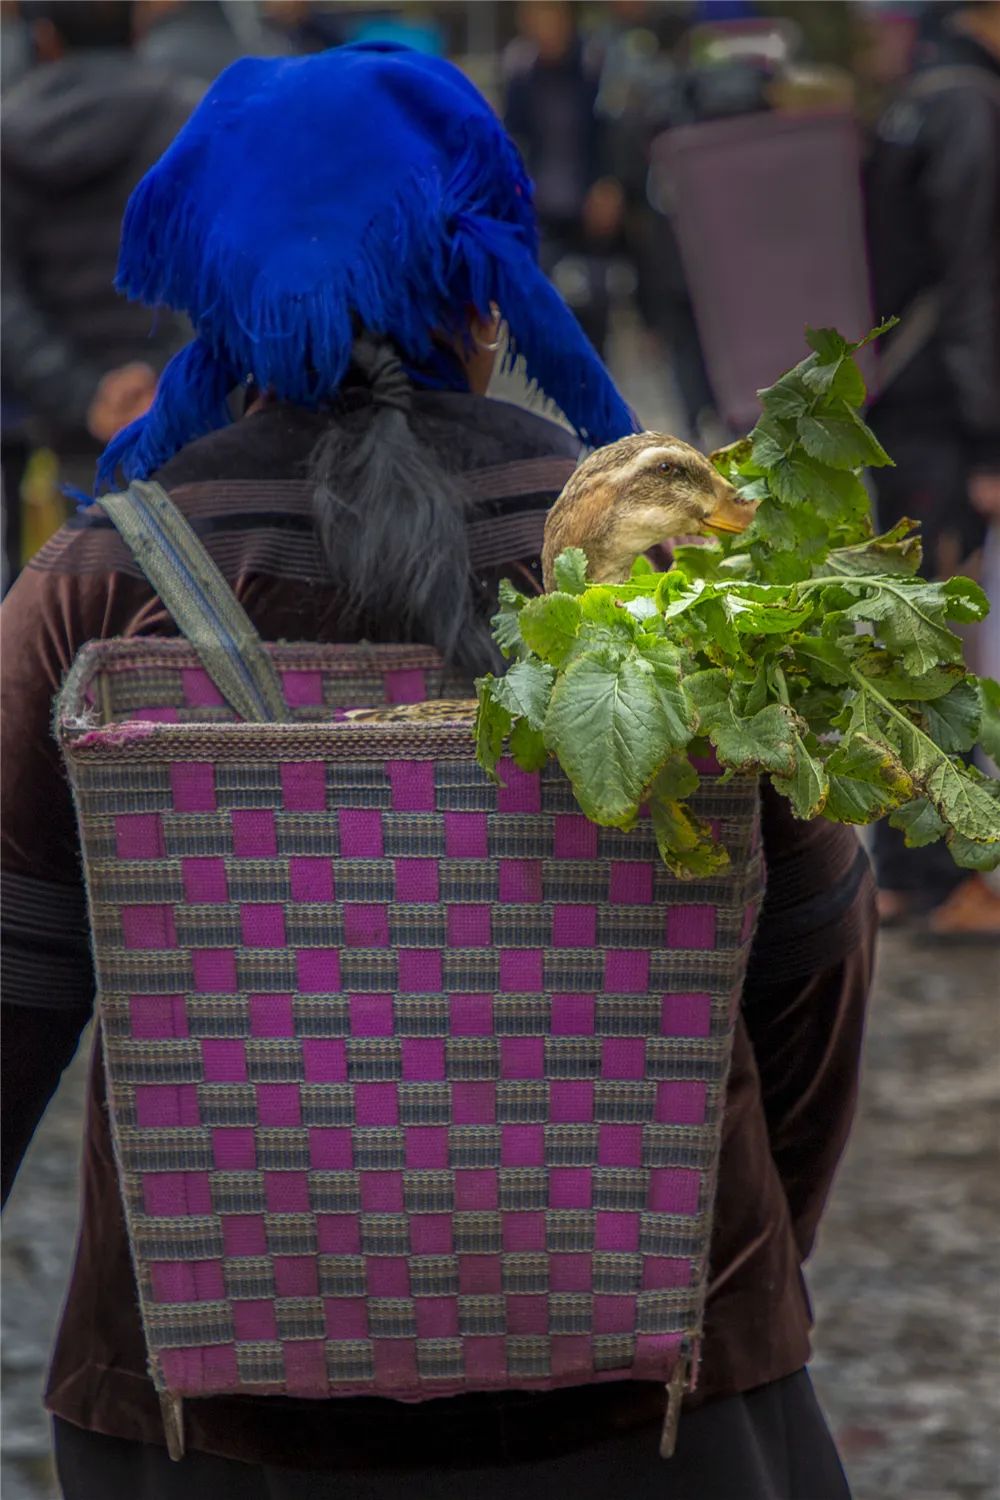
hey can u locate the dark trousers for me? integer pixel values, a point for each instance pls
(770, 1444)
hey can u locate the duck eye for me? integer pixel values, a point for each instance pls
(668, 468)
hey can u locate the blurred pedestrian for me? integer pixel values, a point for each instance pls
(365, 373)
(934, 226)
(78, 132)
(552, 79)
(197, 39)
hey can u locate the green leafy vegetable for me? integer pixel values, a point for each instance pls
(805, 648)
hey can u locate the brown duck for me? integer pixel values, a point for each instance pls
(621, 501)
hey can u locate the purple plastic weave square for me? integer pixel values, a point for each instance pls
(522, 1057)
(405, 685)
(437, 1317)
(331, 1148)
(681, 1101)
(243, 1234)
(660, 1271)
(310, 878)
(574, 926)
(205, 881)
(417, 880)
(366, 925)
(522, 1145)
(571, 1101)
(387, 1276)
(395, 1363)
(234, 1148)
(302, 689)
(371, 1015)
(176, 1194)
(412, 783)
(190, 1281)
(360, 833)
(523, 1232)
(527, 1315)
(338, 1234)
(254, 1322)
(520, 880)
(574, 837)
(614, 1314)
(192, 785)
(303, 786)
(473, 1103)
(271, 1015)
(465, 835)
(423, 1059)
(486, 1357)
(479, 1276)
(686, 1015)
(318, 971)
(376, 1104)
(199, 689)
(139, 836)
(471, 1015)
(570, 1273)
(623, 1057)
(262, 925)
(166, 1105)
(420, 971)
(476, 1190)
(223, 1060)
(279, 1105)
(674, 1190)
(573, 1015)
(381, 1192)
(690, 927)
(149, 926)
(324, 1059)
(626, 971)
(214, 971)
(522, 970)
(296, 1276)
(345, 1317)
(469, 926)
(617, 1232)
(519, 791)
(620, 1146)
(431, 1234)
(254, 833)
(153, 1016)
(570, 1187)
(286, 1192)
(427, 1147)
(631, 882)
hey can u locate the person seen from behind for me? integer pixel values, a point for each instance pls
(341, 507)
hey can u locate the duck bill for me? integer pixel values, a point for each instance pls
(730, 515)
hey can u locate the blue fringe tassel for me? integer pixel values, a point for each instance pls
(191, 400)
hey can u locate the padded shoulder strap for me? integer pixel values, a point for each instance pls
(205, 608)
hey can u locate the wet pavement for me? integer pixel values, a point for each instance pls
(904, 1283)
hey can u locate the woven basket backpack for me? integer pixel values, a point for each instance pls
(416, 1081)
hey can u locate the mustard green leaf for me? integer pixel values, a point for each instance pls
(571, 570)
(550, 625)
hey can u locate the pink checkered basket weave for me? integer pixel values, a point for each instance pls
(416, 1081)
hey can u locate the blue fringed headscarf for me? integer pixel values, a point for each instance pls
(369, 186)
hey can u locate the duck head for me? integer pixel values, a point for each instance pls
(627, 497)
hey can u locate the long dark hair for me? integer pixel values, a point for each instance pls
(392, 524)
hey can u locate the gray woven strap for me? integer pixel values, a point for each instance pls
(205, 609)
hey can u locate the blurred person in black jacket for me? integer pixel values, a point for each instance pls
(79, 130)
(552, 79)
(934, 225)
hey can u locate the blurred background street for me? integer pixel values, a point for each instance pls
(903, 1283)
(711, 175)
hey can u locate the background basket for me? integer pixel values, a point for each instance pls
(416, 1082)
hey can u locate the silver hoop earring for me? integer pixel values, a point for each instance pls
(488, 348)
